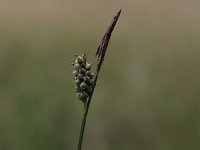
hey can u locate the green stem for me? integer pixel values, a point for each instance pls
(100, 53)
(85, 112)
(83, 126)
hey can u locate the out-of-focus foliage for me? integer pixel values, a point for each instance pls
(147, 96)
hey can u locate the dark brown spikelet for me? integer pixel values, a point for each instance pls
(101, 50)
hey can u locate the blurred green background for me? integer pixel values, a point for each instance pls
(148, 92)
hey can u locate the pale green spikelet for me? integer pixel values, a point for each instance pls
(83, 77)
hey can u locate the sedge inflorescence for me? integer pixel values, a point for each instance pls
(83, 77)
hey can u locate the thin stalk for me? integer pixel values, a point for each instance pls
(100, 55)
(85, 112)
(80, 141)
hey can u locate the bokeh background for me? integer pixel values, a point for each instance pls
(148, 92)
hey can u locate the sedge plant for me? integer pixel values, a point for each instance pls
(85, 80)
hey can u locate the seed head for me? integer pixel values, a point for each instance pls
(84, 78)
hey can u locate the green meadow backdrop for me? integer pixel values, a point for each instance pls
(148, 93)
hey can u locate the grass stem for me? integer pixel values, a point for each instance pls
(100, 54)
(85, 112)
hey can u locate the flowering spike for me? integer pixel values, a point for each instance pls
(83, 80)
(101, 50)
